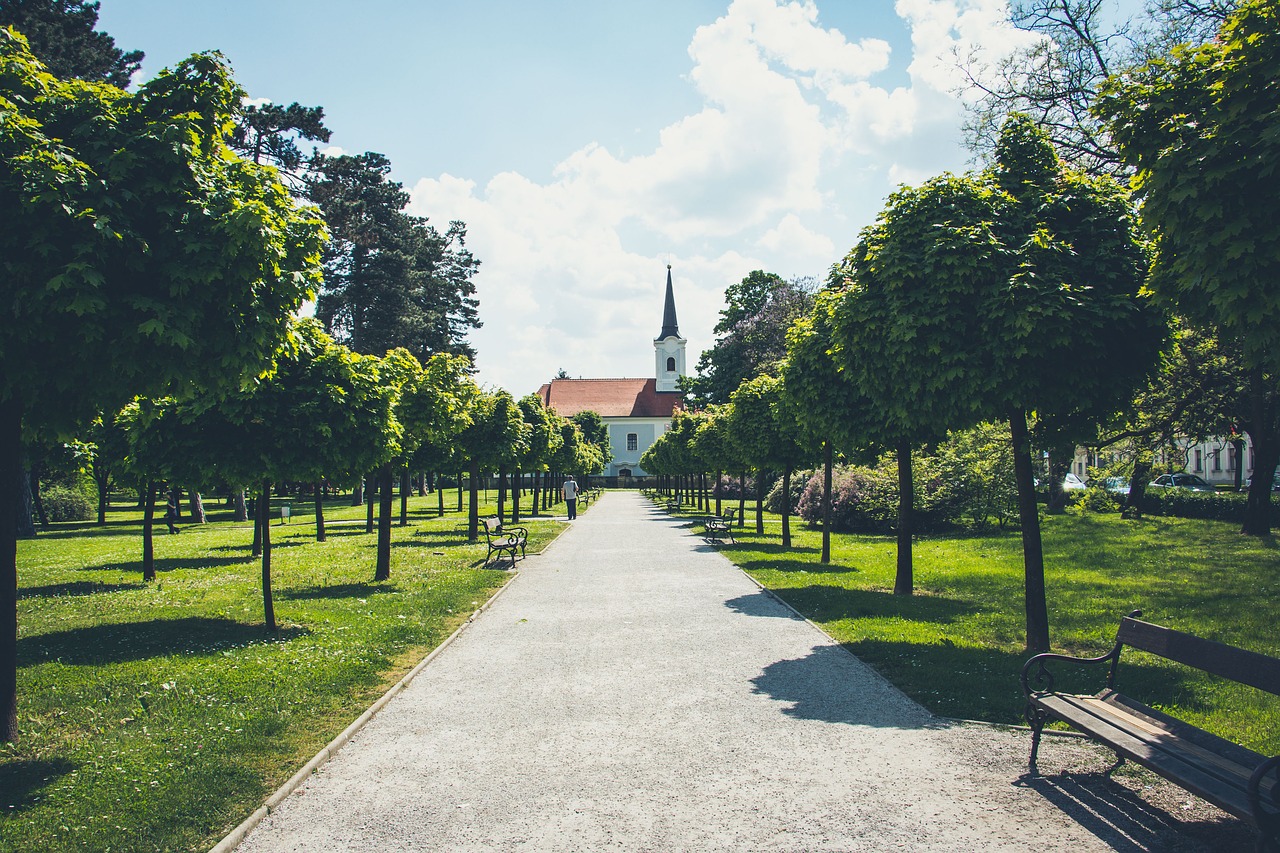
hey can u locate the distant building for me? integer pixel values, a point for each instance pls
(636, 411)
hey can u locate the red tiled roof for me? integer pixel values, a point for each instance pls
(610, 398)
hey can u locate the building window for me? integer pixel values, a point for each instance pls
(671, 365)
(1231, 459)
(624, 472)
(1216, 458)
(1199, 460)
(633, 441)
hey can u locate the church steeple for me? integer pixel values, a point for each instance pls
(670, 328)
(669, 346)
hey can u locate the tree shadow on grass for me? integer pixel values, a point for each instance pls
(437, 539)
(20, 781)
(170, 565)
(131, 641)
(809, 566)
(73, 588)
(778, 548)
(824, 603)
(342, 590)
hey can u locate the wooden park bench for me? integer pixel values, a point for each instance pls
(673, 505)
(503, 539)
(719, 526)
(1237, 780)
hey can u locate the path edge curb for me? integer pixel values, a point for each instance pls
(233, 838)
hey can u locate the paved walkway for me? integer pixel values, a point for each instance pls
(632, 690)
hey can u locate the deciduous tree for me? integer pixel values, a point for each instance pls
(1201, 128)
(132, 231)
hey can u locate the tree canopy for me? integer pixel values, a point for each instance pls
(750, 335)
(61, 33)
(1201, 128)
(139, 256)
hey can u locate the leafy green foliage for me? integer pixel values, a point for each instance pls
(751, 334)
(392, 280)
(62, 35)
(132, 231)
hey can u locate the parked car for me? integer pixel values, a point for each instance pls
(1116, 485)
(1072, 483)
(1181, 481)
(1275, 482)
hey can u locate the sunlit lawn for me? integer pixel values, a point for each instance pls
(957, 645)
(157, 716)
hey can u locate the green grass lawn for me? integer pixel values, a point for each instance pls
(157, 716)
(957, 645)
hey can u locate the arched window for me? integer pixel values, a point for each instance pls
(671, 365)
(624, 472)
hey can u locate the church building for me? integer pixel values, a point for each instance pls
(636, 411)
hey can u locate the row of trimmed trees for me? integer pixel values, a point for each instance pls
(1041, 296)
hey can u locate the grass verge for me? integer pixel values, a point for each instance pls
(157, 716)
(958, 644)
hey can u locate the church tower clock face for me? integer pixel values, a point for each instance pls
(669, 347)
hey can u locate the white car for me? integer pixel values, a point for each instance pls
(1072, 483)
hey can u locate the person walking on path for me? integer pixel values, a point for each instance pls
(569, 491)
(171, 512)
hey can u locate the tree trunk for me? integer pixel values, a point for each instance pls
(502, 494)
(786, 506)
(536, 493)
(440, 499)
(148, 539)
(104, 494)
(370, 493)
(1059, 467)
(459, 476)
(242, 511)
(1238, 445)
(320, 512)
(1264, 429)
(473, 512)
(264, 523)
(827, 458)
(405, 486)
(25, 526)
(904, 581)
(10, 506)
(742, 499)
(1132, 503)
(33, 477)
(197, 508)
(357, 493)
(1032, 551)
(719, 474)
(515, 497)
(759, 501)
(257, 526)
(383, 570)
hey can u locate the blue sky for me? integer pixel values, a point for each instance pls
(588, 144)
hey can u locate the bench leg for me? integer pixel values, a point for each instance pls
(1266, 806)
(1035, 719)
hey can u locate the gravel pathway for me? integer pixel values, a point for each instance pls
(632, 690)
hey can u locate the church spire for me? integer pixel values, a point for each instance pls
(670, 329)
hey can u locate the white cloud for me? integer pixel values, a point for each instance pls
(792, 151)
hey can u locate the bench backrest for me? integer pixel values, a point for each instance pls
(1246, 667)
(492, 524)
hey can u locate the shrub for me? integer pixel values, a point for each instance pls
(863, 500)
(62, 503)
(799, 479)
(1184, 503)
